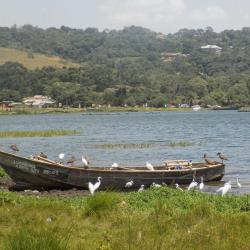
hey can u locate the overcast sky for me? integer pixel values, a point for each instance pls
(159, 15)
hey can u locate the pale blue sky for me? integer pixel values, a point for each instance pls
(159, 15)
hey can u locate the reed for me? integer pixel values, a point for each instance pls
(38, 133)
(180, 143)
(125, 146)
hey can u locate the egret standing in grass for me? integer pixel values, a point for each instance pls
(141, 188)
(227, 186)
(237, 182)
(178, 187)
(149, 166)
(192, 185)
(129, 184)
(61, 157)
(155, 185)
(201, 186)
(94, 187)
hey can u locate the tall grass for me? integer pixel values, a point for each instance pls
(38, 133)
(161, 218)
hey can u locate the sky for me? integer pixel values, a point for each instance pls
(166, 16)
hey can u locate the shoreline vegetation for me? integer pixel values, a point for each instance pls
(104, 109)
(38, 133)
(157, 218)
(31, 111)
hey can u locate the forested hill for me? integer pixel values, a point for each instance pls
(131, 66)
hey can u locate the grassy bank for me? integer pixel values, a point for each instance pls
(38, 133)
(154, 219)
(31, 111)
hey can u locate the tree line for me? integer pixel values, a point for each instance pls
(130, 67)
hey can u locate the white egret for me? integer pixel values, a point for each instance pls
(94, 187)
(201, 186)
(129, 184)
(149, 166)
(192, 185)
(155, 185)
(238, 184)
(141, 188)
(225, 188)
(115, 165)
(85, 161)
(178, 187)
(61, 157)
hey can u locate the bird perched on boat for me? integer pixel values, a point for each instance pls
(115, 165)
(61, 157)
(14, 147)
(149, 166)
(43, 155)
(201, 186)
(141, 188)
(178, 187)
(192, 185)
(209, 162)
(94, 187)
(155, 185)
(85, 161)
(71, 160)
(237, 182)
(227, 186)
(222, 157)
(129, 184)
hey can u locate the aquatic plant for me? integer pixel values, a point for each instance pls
(38, 133)
(180, 143)
(124, 145)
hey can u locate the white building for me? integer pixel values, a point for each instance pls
(216, 48)
(38, 101)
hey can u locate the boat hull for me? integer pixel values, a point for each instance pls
(33, 174)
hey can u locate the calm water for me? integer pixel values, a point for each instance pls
(210, 132)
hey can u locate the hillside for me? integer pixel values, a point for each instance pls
(33, 60)
(132, 66)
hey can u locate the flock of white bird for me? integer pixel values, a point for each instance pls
(193, 185)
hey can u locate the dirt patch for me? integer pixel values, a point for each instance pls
(7, 184)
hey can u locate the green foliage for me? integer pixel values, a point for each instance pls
(101, 204)
(131, 66)
(158, 218)
(2, 173)
(38, 133)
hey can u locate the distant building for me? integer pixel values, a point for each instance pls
(6, 105)
(39, 101)
(215, 48)
(169, 56)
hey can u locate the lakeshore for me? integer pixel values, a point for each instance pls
(158, 218)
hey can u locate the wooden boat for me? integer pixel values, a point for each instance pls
(39, 173)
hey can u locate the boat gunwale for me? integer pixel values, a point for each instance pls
(94, 169)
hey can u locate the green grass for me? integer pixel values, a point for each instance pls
(124, 145)
(2, 173)
(33, 60)
(180, 143)
(161, 218)
(38, 133)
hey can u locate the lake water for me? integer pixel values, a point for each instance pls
(208, 131)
